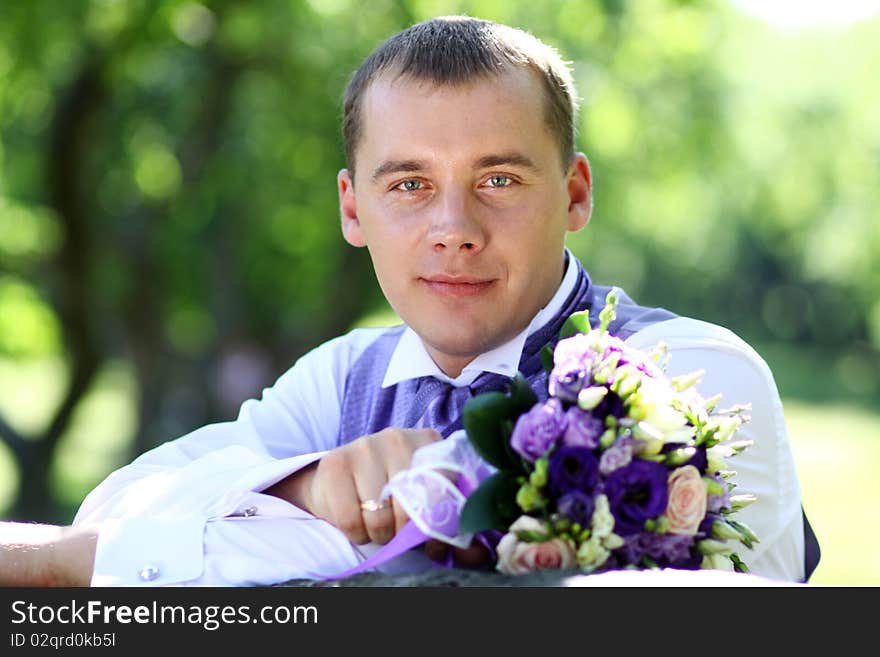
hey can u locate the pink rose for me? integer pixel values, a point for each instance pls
(516, 557)
(687, 500)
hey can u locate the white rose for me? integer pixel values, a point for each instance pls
(687, 500)
(516, 557)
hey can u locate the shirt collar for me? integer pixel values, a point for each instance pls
(411, 360)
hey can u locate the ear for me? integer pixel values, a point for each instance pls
(580, 193)
(351, 225)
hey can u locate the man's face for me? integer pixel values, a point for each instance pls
(461, 199)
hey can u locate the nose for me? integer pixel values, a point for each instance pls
(455, 226)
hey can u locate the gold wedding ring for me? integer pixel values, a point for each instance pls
(375, 505)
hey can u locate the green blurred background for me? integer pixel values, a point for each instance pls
(169, 232)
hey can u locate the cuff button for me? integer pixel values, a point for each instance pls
(148, 573)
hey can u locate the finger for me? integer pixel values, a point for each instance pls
(397, 458)
(383, 455)
(378, 521)
(474, 556)
(338, 498)
(425, 436)
(436, 551)
(371, 475)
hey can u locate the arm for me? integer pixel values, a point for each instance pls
(45, 555)
(181, 510)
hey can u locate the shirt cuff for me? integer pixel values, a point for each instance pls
(149, 551)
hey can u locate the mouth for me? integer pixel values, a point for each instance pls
(457, 287)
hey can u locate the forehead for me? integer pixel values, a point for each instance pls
(504, 111)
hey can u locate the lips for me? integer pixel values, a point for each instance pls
(448, 285)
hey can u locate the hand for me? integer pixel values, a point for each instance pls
(476, 555)
(334, 488)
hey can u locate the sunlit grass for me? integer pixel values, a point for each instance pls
(837, 452)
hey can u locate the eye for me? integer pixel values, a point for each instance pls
(499, 181)
(410, 185)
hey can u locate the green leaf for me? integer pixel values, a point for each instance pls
(492, 505)
(578, 322)
(521, 394)
(488, 419)
(547, 358)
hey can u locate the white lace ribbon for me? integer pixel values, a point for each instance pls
(430, 491)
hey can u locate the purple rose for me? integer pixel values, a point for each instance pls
(666, 550)
(577, 507)
(616, 456)
(567, 380)
(538, 430)
(573, 360)
(636, 492)
(583, 430)
(572, 468)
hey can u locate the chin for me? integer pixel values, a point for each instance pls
(469, 345)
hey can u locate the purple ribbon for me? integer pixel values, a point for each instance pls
(407, 538)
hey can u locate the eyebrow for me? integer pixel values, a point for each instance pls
(487, 161)
(506, 159)
(397, 166)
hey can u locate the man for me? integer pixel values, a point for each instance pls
(462, 183)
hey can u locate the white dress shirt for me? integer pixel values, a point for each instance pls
(190, 512)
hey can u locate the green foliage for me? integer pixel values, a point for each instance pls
(488, 418)
(576, 323)
(492, 505)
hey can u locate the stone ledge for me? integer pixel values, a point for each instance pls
(456, 577)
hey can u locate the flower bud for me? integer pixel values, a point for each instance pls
(746, 535)
(680, 456)
(686, 381)
(647, 432)
(613, 541)
(662, 525)
(609, 312)
(724, 531)
(607, 438)
(712, 402)
(710, 546)
(739, 446)
(714, 462)
(589, 397)
(716, 562)
(738, 564)
(726, 429)
(628, 385)
(538, 478)
(738, 502)
(713, 487)
(528, 498)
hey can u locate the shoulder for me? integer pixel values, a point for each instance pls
(730, 365)
(333, 359)
(702, 339)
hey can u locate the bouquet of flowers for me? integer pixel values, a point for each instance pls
(621, 467)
